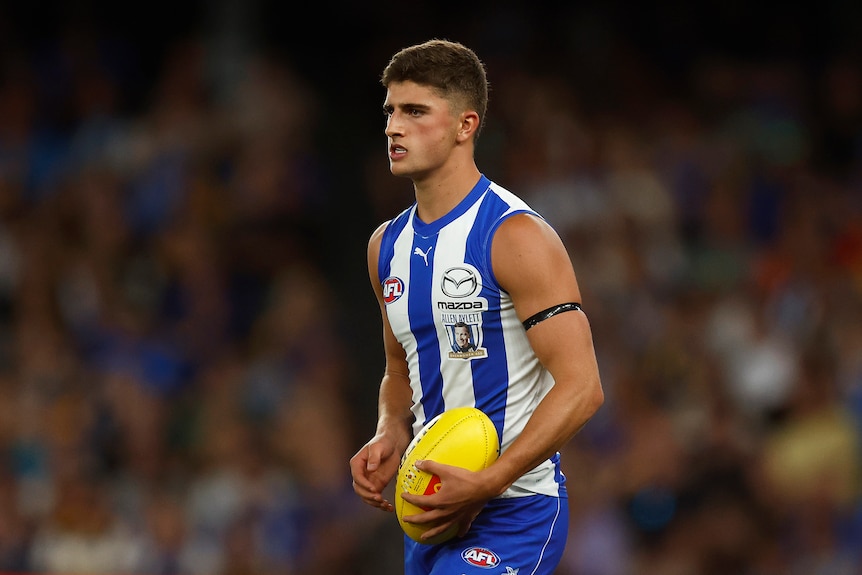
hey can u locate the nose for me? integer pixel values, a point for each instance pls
(393, 126)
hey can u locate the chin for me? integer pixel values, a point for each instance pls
(400, 171)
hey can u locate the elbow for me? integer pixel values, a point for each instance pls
(588, 401)
(595, 397)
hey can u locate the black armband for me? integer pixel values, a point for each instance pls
(550, 312)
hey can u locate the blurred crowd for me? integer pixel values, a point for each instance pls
(188, 340)
(719, 246)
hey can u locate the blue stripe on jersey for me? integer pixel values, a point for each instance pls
(387, 243)
(490, 395)
(487, 375)
(421, 310)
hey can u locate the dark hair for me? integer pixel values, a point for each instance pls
(450, 68)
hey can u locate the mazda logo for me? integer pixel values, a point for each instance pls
(459, 282)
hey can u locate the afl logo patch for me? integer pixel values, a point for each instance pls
(460, 282)
(480, 557)
(393, 288)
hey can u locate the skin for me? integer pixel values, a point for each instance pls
(431, 141)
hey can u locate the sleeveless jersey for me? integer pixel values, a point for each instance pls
(465, 345)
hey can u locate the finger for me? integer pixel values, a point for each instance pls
(383, 505)
(437, 530)
(375, 500)
(464, 528)
(430, 466)
(363, 486)
(379, 502)
(423, 517)
(365, 489)
(421, 501)
(358, 470)
(366, 478)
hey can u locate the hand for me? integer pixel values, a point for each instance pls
(461, 497)
(372, 468)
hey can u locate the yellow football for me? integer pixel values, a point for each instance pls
(464, 437)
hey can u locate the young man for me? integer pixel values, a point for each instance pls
(470, 251)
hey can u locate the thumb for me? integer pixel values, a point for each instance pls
(428, 466)
(373, 460)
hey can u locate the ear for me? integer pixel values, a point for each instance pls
(469, 123)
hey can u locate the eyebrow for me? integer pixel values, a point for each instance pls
(406, 106)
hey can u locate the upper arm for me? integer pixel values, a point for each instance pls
(532, 264)
(396, 358)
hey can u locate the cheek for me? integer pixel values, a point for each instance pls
(439, 140)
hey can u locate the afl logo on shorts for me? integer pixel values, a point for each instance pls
(393, 288)
(480, 557)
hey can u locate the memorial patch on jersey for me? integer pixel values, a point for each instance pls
(465, 335)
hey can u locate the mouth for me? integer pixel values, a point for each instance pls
(396, 151)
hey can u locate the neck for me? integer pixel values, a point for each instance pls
(436, 196)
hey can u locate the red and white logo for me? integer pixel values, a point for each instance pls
(393, 288)
(433, 486)
(480, 557)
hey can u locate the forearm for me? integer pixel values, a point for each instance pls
(560, 415)
(394, 415)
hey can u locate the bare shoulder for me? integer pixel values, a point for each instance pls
(373, 253)
(532, 264)
(377, 234)
(526, 231)
(375, 240)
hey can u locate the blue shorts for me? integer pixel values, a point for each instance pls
(523, 535)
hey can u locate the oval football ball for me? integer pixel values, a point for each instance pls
(462, 436)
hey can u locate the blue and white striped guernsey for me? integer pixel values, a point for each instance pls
(465, 345)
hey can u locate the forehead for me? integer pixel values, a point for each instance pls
(406, 93)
